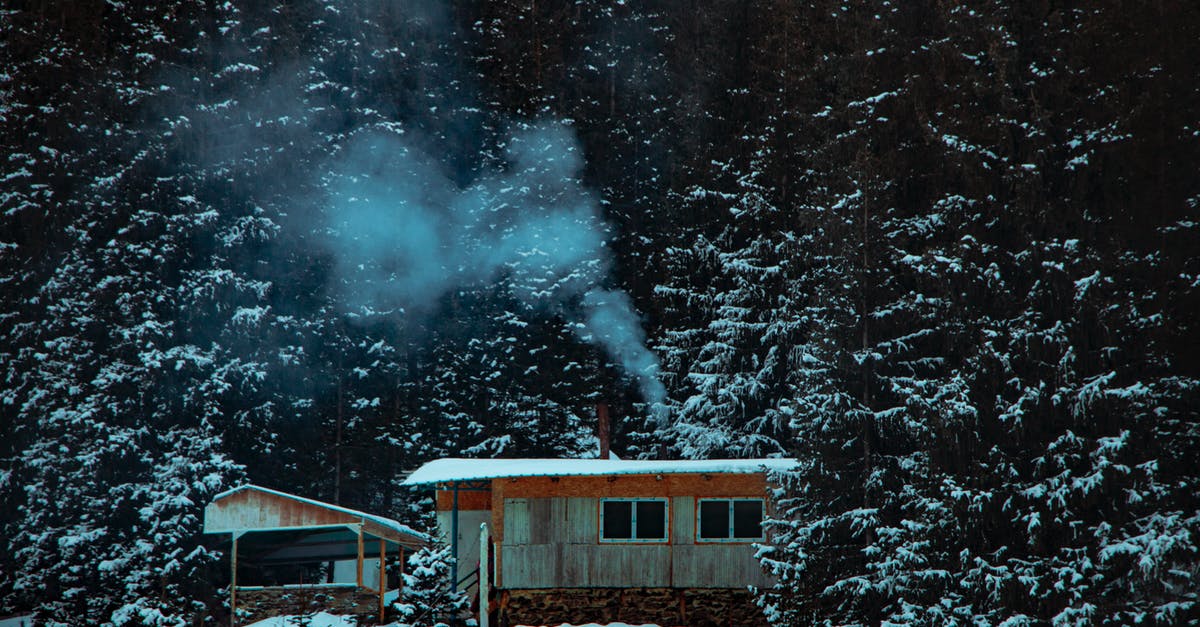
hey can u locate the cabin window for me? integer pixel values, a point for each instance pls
(633, 520)
(729, 520)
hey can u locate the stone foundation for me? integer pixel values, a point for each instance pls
(254, 605)
(693, 607)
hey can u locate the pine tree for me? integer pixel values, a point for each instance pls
(964, 373)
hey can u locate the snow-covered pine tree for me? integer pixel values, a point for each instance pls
(999, 465)
(731, 294)
(431, 602)
(734, 374)
(113, 452)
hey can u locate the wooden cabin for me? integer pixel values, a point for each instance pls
(578, 541)
(293, 555)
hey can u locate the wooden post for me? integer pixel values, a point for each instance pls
(401, 587)
(483, 574)
(233, 583)
(454, 540)
(360, 557)
(382, 575)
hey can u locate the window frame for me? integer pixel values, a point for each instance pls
(762, 535)
(634, 500)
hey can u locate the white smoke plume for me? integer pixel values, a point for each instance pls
(404, 232)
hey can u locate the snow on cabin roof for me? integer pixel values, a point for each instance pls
(457, 469)
(379, 520)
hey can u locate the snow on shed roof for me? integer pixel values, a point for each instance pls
(457, 469)
(379, 520)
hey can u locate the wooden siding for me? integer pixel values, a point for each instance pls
(703, 485)
(716, 566)
(683, 520)
(534, 566)
(467, 500)
(615, 565)
(516, 521)
(554, 543)
(583, 521)
(252, 509)
(591, 488)
(550, 521)
(256, 509)
(584, 566)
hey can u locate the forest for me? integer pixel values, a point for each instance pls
(944, 254)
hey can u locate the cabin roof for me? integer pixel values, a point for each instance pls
(457, 469)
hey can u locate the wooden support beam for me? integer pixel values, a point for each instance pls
(359, 578)
(382, 576)
(454, 541)
(233, 583)
(484, 568)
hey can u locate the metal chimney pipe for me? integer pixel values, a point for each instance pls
(603, 429)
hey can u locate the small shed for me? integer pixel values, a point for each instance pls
(600, 540)
(290, 554)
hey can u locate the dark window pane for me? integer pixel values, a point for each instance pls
(747, 519)
(618, 519)
(651, 520)
(714, 519)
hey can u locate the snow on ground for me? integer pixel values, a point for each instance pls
(599, 625)
(320, 619)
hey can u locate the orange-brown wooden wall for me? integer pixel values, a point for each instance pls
(467, 500)
(666, 485)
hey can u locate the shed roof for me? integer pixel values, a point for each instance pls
(456, 469)
(251, 508)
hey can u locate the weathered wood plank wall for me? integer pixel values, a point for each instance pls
(716, 566)
(552, 542)
(591, 488)
(252, 509)
(583, 518)
(683, 520)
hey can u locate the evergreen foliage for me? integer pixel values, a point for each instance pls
(945, 255)
(986, 429)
